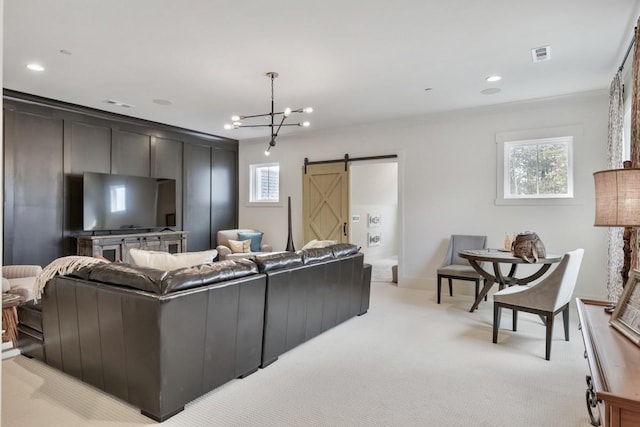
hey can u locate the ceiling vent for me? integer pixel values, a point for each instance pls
(540, 54)
(117, 103)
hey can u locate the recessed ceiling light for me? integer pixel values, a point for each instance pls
(494, 78)
(490, 91)
(65, 52)
(162, 102)
(428, 89)
(35, 67)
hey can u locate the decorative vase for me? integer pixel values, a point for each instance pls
(290, 247)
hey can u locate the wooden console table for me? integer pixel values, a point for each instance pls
(613, 388)
(116, 247)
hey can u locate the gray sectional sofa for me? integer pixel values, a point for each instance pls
(160, 339)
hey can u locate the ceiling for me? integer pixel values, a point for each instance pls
(353, 61)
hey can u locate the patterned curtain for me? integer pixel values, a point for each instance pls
(635, 130)
(614, 149)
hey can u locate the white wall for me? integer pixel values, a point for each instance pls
(447, 182)
(374, 190)
(1, 157)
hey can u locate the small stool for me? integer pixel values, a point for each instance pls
(10, 317)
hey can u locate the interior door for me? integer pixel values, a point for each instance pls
(325, 200)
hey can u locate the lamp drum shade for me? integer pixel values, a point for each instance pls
(617, 197)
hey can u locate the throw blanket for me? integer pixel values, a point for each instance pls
(61, 266)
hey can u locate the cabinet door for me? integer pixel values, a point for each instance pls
(130, 153)
(87, 148)
(151, 243)
(224, 190)
(33, 188)
(90, 148)
(166, 162)
(127, 244)
(197, 196)
(173, 243)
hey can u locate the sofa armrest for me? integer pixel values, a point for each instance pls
(18, 271)
(266, 248)
(22, 292)
(223, 251)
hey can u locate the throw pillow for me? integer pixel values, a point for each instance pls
(315, 244)
(254, 236)
(240, 246)
(166, 261)
(6, 285)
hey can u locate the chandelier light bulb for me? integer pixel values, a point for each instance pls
(307, 110)
(287, 111)
(237, 124)
(227, 126)
(235, 118)
(268, 150)
(306, 124)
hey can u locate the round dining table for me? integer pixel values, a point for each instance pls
(498, 256)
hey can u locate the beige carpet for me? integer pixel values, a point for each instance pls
(408, 362)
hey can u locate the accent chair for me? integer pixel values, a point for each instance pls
(455, 267)
(546, 299)
(20, 280)
(230, 246)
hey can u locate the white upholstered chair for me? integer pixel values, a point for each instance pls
(546, 299)
(225, 250)
(20, 280)
(455, 267)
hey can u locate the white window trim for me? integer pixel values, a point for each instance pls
(575, 131)
(252, 203)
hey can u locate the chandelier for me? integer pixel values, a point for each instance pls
(275, 117)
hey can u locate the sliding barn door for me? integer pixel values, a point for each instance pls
(325, 199)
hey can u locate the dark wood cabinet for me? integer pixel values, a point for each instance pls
(613, 386)
(49, 144)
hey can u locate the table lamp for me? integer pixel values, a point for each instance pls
(618, 205)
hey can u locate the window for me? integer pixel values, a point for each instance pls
(265, 183)
(538, 168)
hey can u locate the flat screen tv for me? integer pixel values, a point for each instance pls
(117, 202)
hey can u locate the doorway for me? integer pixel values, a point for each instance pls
(374, 219)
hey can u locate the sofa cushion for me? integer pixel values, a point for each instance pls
(254, 236)
(313, 244)
(240, 246)
(127, 275)
(166, 261)
(344, 249)
(206, 274)
(309, 256)
(30, 314)
(277, 261)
